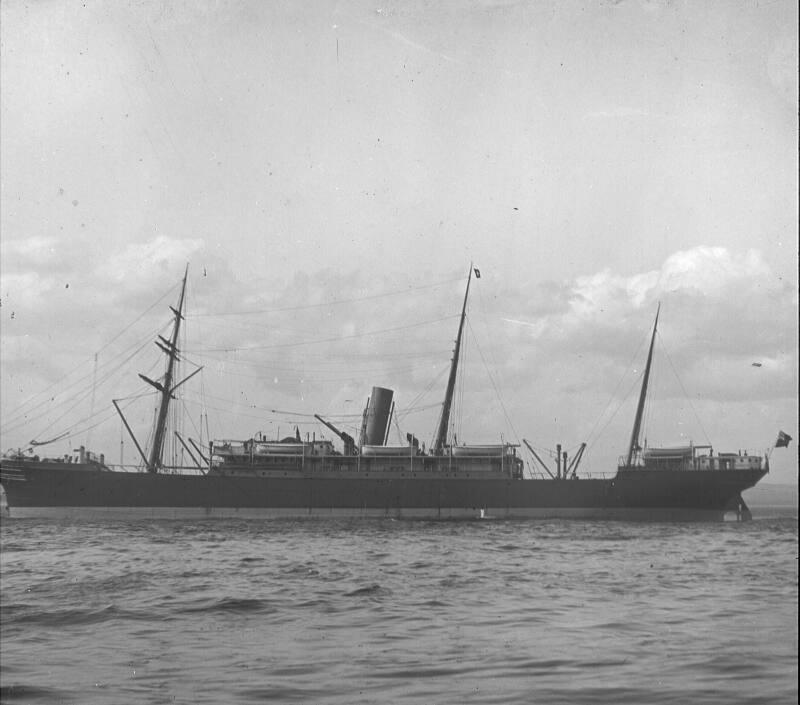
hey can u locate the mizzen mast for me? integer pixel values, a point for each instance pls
(634, 445)
(441, 432)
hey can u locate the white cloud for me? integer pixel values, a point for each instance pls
(712, 270)
(35, 249)
(717, 305)
(22, 290)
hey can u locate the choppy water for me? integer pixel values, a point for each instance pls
(382, 611)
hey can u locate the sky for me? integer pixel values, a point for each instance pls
(330, 172)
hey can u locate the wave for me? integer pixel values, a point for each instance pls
(229, 605)
(24, 692)
(365, 591)
(19, 614)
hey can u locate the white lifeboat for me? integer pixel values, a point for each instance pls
(388, 451)
(494, 450)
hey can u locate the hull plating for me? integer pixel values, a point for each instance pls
(39, 490)
(444, 513)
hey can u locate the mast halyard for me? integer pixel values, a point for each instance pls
(166, 389)
(441, 433)
(642, 395)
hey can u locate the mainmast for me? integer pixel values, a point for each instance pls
(170, 347)
(441, 433)
(642, 395)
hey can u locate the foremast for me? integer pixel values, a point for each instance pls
(441, 432)
(170, 348)
(634, 445)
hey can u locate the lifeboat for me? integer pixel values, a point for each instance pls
(662, 453)
(278, 448)
(386, 451)
(474, 451)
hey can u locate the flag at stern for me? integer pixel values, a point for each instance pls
(783, 440)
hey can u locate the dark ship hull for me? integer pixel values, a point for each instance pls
(71, 491)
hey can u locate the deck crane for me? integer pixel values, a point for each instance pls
(347, 439)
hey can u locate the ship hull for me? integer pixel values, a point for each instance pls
(666, 514)
(49, 490)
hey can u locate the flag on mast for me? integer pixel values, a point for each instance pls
(477, 273)
(783, 440)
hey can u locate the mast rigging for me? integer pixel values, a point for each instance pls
(166, 389)
(634, 445)
(441, 433)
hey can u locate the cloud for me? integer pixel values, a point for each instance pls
(712, 270)
(153, 258)
(31, 251)
(720, 309)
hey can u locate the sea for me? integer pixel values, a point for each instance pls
(399, 611)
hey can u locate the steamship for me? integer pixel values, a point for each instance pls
(367, 477)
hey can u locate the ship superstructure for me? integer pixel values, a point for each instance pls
(372, 456)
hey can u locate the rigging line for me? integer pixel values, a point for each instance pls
(315, 371)
(461, 376)
(330, 417)
(496, 390)
(334, 302)
(79, 400)
(294, 375)
(416, 409)
(590, 444)
(89, 418)
(347, 356)
(315, 378)
(342, 418)
(22, 420)
(397, 428)
(80, 431)
(81, 397)
(231, 329)
(484, 319)
(142, 315)
(22, 413)
(101, 349)
(208, 430)
(324, 340)
(142, 395)
(238, 413)
(332, 360)
(654, 391)
(261, 417)
(289, 413)
(541, 449)
(570, 451)
(84, 429)
(685, 393)
(616, 389)
(203, 409)
(203, 395)
(552, 453)
(427, 389)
